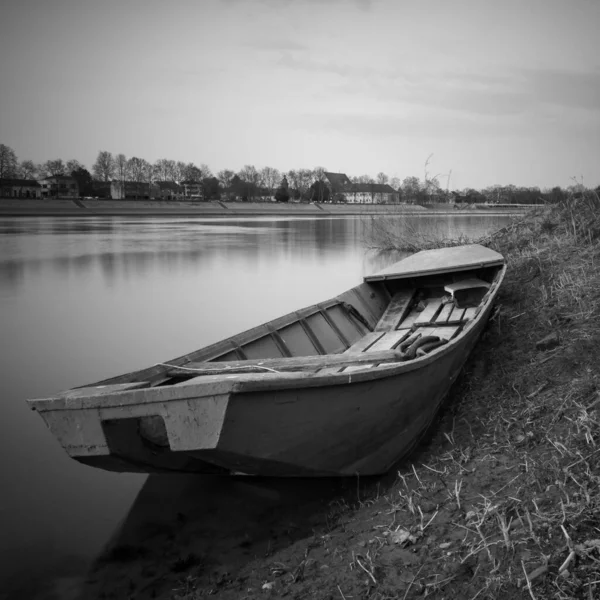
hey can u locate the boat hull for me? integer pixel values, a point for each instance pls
(355, 424)
(353, 428)
(331, 390)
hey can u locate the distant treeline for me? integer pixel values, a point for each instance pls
(251, 182)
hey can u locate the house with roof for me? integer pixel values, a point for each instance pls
(169, 190)
(337, 183)
(193, 189)
(133, 190)
(20, 188)
(371, 193)
(59, 186)
(343, 190)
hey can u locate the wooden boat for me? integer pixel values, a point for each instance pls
(343, 387)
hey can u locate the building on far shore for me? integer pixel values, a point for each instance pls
(59, 186)
(169, 190)
(20, 188)
(337, 183)
(343, 190)
(133, 190)
(371, 193)
(193, 189)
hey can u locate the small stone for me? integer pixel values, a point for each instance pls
(402, 536)
(550, 341)
(268, 586)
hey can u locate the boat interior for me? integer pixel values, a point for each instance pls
(408, 317)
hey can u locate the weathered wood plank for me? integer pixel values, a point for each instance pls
(456, 316)
(389, 340)
(329, 370)
(429, 313)
(444, 313)
(396, 310)
(357, 368)
(446, 333)
(102, 390)
(469, 313)
(300, 363)
(364, 342)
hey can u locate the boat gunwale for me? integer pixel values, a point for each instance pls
(212, 385)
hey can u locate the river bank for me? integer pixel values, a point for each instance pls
(11, 207)
(500, 501)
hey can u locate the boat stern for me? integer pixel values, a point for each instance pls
(133, 431)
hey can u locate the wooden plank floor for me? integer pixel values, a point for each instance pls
(396, 310)
(429, 313)
(444, 313)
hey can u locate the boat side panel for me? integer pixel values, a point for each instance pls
(297, 340)
(363, 426)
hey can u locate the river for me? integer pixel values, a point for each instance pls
(86, 298)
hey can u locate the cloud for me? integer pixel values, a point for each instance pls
(509, 92)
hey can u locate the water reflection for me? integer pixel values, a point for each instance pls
(130, 248)
(84, 299)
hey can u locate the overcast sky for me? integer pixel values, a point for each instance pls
(500, 91)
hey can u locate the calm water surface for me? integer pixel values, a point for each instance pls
(84, 299)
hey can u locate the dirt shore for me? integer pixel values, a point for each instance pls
(500, 501)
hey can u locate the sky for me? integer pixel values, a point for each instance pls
(498, 92)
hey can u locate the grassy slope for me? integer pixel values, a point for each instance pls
(503, 500)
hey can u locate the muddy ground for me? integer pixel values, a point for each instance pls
(500, 501)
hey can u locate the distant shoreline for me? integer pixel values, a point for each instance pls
(14, 207)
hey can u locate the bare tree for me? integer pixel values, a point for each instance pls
(319, 190)
(165, 169)
(121, 167)
(382, 178)
(54, 167)
(171, 170)
(305, 178)
(270, 178)
(293, 178)
(249, 174)
(319, 173)
(411, 188)
(147, 171)
(136, 168)
(251, 177)
(362, 179)
(72, 165)
(204, 171)
(104, 167)
(195, 173)
(28, 170)
(8, 162)
(160, 169)
(395, 183)
(179, 174)
(225, 177)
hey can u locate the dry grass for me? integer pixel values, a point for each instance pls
(503, 499)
